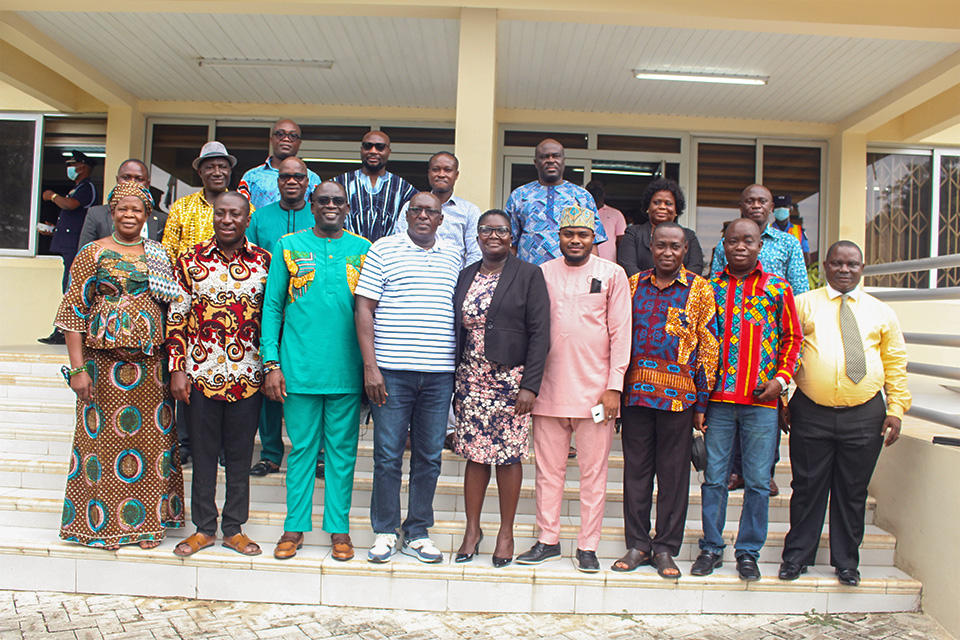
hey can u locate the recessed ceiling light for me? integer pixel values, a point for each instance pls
(264, 63)
(694, 76)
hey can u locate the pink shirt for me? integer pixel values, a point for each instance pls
(589, 336)
(615, 225)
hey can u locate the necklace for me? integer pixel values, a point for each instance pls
(488, 272)
(126, 244)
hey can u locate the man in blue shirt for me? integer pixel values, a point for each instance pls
(260, 183)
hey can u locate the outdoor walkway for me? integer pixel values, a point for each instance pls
(29, 615)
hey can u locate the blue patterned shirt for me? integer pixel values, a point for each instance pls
(534, 211)
(780, 255)
(260, 186)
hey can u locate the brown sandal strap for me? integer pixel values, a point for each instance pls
(195, 543)
(240, 542)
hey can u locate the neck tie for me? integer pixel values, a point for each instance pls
(856, 361)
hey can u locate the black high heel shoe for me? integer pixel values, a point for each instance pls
(467, 557)
(500, 563)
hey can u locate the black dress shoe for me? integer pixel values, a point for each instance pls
(539, 553)
(747, 568)
(705, 563)
(264, 467)
(320, 473)
(791, 570)
(56, 337)
(587, 562)
(849, 577)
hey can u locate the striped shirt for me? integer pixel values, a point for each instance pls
(413, 322)
(374, 208)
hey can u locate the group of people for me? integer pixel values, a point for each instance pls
(494, 324)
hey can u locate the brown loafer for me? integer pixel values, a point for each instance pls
(774, 489)
(735, 482)
(288, 545)
(343, 549)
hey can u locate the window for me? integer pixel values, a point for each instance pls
(19, 182)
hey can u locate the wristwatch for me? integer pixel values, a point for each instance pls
(68, 373)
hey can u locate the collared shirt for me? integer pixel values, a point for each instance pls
(822, 374)
(272, 222)
(413, 321)
(213, 329)
(534, 211)
(310, 293)
(780, 255)
(614, 225)
(760, 334)
(458, 229)
(673, 364)
(260, 186)
(374, 207)
(66, 236)
(589, 336)
(189, 223)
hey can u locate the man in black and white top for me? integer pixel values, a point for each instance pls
(404, 315)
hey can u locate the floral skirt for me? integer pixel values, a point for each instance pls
(487, 430)
(125, 484)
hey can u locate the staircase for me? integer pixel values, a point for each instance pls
(36, 427)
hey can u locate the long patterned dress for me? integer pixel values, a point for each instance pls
(125, 484)
(487, 430)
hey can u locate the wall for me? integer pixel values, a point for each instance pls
(30, 291)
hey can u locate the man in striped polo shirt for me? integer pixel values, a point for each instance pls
(404, 317)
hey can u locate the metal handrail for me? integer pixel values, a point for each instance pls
(905, 295)
(938, 417)
(906, 266)
(934, 370)
(933, 339)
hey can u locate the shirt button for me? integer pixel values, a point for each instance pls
(331, 257)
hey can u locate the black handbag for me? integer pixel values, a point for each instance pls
(698, 452)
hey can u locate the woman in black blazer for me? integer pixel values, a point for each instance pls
(664, 202)
(502, 313)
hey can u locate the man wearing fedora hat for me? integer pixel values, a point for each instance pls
(190, 220)
(73, 211)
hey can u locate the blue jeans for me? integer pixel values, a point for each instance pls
(758, 441)
(419, 401)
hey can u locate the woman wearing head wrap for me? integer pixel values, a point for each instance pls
(124, 485)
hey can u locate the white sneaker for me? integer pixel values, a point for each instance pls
(383, 548)
(423, 550)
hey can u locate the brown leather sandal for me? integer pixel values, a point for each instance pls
(242, 545)
(631, 560)
(288, 545)
(194, 543)
(665, 565)
(343, 549)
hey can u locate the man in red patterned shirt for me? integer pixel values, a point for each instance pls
(213, 339)
(760, 344)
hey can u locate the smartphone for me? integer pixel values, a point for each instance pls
(597, 413)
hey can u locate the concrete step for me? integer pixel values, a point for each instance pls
(31, 561)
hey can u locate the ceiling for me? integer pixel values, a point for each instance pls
(412, 62)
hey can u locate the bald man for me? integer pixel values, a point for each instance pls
(260, 183)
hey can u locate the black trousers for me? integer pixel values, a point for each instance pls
(183, 426)
(232, 426)
(833, 453)
(655, 442)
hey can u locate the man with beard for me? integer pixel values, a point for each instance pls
(315, 369)
(376, 195)
(582, 381)
(260, 183)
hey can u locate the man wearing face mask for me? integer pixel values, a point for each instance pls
(782, 222)
(73, 212)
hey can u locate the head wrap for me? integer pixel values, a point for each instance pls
(574, 216)
(124, 189)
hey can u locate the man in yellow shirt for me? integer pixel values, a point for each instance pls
(190, 220)
(853, 348)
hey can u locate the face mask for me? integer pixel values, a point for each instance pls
(72, 173)
(781, 214)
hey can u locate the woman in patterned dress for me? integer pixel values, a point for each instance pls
(125, 485)
(502, 313)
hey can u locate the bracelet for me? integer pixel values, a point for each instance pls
(271, 366)
(68, 373)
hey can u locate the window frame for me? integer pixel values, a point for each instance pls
(31, 250)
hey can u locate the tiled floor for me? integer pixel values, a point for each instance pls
(26, 615)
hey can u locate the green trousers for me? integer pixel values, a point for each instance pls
(331, 421)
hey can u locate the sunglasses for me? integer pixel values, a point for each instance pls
(379, 146)
(416, 211)
(485, 232)
(338, 201)
(299, 177)
(286, 135)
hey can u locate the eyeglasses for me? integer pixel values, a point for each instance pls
(299, 177)
(485, 232)
(416, 211)
(379, 146)
(338, 201)
(286, 135)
